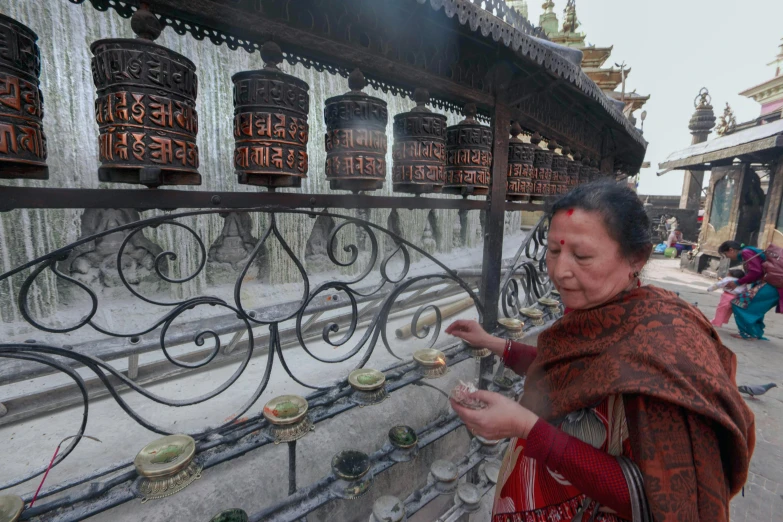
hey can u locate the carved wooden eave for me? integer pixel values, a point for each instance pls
(458, 50)
(637, 101)
(767, 92)
(595, 57)
(607, 79)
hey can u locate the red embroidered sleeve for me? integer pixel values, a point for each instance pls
(520, 357)
(592, 471)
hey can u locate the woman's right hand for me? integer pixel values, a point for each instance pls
(472, 333)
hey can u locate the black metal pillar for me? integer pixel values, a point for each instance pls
(493, 233)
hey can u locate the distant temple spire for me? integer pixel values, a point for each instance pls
(520, 6)
(570, 21)
(548, 19)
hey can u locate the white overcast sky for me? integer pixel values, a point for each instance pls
(676, 47)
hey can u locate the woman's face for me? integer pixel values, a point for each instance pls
(731, 254)
(584, 262)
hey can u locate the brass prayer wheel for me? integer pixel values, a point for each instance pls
(559, 185)
(419, 150)
(542, 169)
(595, 172)
(146, 109)
(574, 169)
(22, 140)
(270, 124)
(519, 185)
(356, 140)
(584, 171)
(468, 156)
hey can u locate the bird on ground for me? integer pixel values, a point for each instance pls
(755, 390)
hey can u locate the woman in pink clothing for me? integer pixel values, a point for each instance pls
(723, 312)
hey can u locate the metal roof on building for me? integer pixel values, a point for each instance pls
(747, 142)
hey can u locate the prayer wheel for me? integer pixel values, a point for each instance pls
(468, 156)
(595, 172)
(574, 169)
(270, 124)
(584, 171)
(559, 185)
(146, 109)
(22, 140)
(519, 185)
(542, 169)
(356, 140)
(419, 150)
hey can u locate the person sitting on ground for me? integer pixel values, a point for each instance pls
(751, 307)
(723, 312)
(610, 392)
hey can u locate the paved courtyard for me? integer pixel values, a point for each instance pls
(759, 363)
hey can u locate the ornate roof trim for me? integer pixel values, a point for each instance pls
(525, 41)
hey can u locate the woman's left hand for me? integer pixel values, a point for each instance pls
(503, 418)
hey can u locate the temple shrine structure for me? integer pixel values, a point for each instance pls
(745, 161)
(609, 79)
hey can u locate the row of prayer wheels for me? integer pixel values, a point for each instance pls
(148, 124)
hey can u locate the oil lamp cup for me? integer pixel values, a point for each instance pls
(388, 509)
(535, 315)
(488, 447)
(514, 327)
(477, 353)
(288, 419)
(369, 386)
(354, 477)
(444, 475)
(432, 363)
(553, 305)
(405, 442)
(469, 496)
(166, 466)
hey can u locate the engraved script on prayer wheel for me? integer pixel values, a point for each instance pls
(419, 150)
(468, 156)
(519, 185)
(559, 183)
(270, 124)
(146, 109)
(22, 140)
(542, 169)
(356, 142)
(574, 168)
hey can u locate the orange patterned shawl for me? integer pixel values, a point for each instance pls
(692, 435)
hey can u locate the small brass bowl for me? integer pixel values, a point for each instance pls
(11, 507)
(166, 466)
(552, 304)
(287, 415)
(352, 468)
(366, 379)
(403, 437)
(444, 474)
(477, 353)
(513, 327)
(534, 314)
(431, 362)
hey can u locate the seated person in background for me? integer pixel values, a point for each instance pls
(723, 312)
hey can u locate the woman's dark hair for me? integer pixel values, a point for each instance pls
(622, 210)
(726, 245)
(736, 272)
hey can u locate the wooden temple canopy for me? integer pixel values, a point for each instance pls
(760, 144)
(455, 48)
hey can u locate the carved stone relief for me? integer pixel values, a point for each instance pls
(232, 248)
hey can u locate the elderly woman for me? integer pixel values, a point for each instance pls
(619, 420)
(751, 307)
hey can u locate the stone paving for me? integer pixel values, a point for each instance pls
(760, 362)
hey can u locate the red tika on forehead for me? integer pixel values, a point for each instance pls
(570, 211)
(562, 241)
